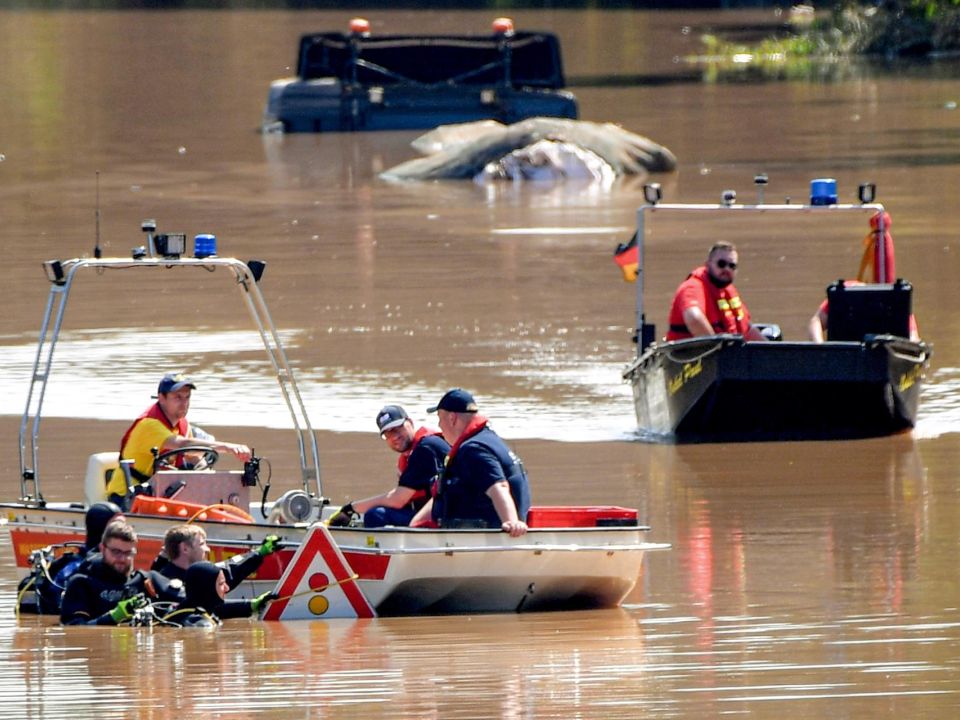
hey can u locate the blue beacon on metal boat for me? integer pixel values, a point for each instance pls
(823, 191)
(206, 245)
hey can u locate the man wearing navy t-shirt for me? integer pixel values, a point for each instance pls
(483, 483)
(421, 460)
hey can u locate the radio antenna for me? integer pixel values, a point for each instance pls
(96, 248)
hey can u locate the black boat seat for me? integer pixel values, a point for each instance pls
(854, 311)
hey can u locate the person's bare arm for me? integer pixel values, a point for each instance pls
(754, 334)
(174, 442)
(696, 322)
(395, 498)
(423, 515)
(815, 327)
(499, 494)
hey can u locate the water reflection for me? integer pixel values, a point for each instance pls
(238, 389)
(805, 580)
(419, 667)
(855, 524)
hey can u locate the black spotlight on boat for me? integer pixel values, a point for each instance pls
(867, 192)
(170, 245)
(652, 193)
(728, 197)
(256, 269)
(54, 271)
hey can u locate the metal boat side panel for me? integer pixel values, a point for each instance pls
(404, 570)
(727, 389)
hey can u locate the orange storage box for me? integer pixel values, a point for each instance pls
(561, 516)
(184, 511)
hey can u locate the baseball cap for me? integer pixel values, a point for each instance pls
(456, 400)
(391, 416)
(172, 382)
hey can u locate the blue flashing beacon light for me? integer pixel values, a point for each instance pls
(206, 245)
(823, 191)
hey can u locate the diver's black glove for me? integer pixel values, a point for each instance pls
(343, 517)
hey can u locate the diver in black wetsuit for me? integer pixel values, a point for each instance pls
(206, 604)
(106, 590)
(50, 574)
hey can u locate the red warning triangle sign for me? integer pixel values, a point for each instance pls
(318, 584)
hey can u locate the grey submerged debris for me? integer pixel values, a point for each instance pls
(464, 151)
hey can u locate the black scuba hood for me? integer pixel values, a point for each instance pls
(201, 584)
(98, 517)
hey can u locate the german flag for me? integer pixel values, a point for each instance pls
(627, 256)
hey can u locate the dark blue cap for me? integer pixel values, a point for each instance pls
(172, 382)
(391, 416)
(456, 400)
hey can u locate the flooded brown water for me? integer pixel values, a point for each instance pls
(805, 580)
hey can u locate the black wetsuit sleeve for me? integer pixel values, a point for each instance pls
(235, 609)
(240, 567)
(80, 602)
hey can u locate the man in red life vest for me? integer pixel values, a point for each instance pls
(421, 461)
(708, 303)
(484, 483)
(164, 426)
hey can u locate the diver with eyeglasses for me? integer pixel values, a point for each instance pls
(708, 303)
(106, 590)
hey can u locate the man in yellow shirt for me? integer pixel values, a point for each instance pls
(164, 426)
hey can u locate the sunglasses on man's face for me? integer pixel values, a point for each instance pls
(723, 264)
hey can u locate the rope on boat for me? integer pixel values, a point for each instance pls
(709, 351)
(308, 591)
(229, 509)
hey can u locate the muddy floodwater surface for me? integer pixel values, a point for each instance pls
(804, 580)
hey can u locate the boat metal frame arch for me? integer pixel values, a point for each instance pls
(759, 207)
(62, 274)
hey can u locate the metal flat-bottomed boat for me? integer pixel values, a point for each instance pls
(572, 557)
(864, 381)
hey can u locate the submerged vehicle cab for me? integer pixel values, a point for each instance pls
(358, 81)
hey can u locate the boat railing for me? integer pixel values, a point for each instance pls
(901, 347)
(62, 274)
(526, 547)
(728, 204)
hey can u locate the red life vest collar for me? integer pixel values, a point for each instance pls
(477, 423)
(404, 458)
(703, 274)
(725, 301)
(155, 412)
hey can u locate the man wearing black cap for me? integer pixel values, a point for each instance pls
(164, 426)
(484, 482)
(421, 461)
